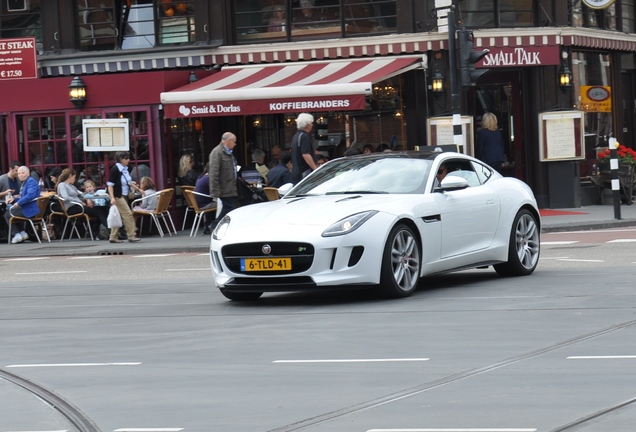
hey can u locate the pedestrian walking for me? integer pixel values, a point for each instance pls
(223, 176)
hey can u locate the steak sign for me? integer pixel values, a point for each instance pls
(520, 56)
(18, 58)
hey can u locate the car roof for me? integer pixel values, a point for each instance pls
(410, 154)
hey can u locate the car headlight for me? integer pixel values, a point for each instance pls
(348, 224)
(221, 228)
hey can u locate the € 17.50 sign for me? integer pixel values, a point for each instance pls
(18, 58)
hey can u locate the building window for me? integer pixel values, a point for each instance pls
(138, 24)
(592, 69)
(497, 13)
(627, 16)
(267, 20)
(21, 18)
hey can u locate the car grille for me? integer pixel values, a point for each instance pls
(301, 254)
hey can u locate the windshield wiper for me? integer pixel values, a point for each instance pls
(356, 192)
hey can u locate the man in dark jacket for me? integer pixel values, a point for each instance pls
(223, 176)
(302, 148)
(281, 173)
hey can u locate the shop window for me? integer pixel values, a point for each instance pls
(605, 19)
(21, 18)
(497, 13)
(267, 20)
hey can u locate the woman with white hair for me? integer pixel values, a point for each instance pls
(302, 148)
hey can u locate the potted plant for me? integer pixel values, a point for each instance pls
(626, 161)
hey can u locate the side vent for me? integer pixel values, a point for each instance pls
(356, 254)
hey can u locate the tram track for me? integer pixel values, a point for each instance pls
(70, 412)
(444, 381)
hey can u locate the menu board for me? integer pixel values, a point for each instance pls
(106, 135)
(561, 136)
(441, 133)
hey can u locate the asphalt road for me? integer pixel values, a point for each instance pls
(147, 343)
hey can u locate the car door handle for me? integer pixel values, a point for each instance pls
(490, 202)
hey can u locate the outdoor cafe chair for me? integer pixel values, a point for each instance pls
(188, 208)
(271, 193)
(198, 212)
(59, 211)
(160, 213)
(37, 219)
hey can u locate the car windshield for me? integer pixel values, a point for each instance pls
(362, 175)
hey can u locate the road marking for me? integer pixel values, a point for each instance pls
(601, 357)
(26, 259)
(148, 430)
(203, 254)
(551, 243)
(53, 272)
(72, 364)
(353, 360)
(61, 430)
(553, 258)
(153, 255)
(193, 269)
(581, 260)
(457, 430)
(622, 241)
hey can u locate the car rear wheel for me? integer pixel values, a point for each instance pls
(241, 296)
(401, 263)
(523, 251)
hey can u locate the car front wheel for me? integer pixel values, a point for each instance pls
(523, 251)
(401, 263)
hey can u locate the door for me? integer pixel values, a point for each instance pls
(500, 94)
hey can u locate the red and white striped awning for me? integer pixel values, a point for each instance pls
(337, 85)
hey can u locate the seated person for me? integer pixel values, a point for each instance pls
(91, 194)
(277, 21)
(281, 173)
(74, 201)
(257, 164)
(149, 200)
(441, 173)
(319, 159)
(187, 175)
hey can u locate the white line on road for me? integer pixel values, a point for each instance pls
(61, 430)
(553, 258)
(457, 430)
(549, 243)
(581, 260)
(73, 364)
(353, 360)
(148, 430)
(601, 357)
(622, 241)
(26, 259)
(152, 255)
(192, 269)
(53, 272)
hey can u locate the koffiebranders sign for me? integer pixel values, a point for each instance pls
(598, 4)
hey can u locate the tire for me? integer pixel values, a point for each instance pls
(241, 296)
(401, 263)
(524, 247)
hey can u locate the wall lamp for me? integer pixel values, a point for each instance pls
(437, 82)
(77, 92)
(192, 78)
(565, 78)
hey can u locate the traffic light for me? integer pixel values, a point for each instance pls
(467, 59)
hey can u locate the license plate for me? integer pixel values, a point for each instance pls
(265, 264)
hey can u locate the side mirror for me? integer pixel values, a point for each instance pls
(451, 182)
(285, 188)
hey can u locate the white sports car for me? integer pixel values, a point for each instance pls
(380, 220)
